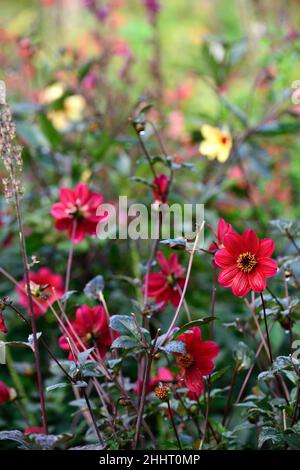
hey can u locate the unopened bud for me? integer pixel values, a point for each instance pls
(162, 392)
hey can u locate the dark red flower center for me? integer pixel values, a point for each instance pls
(246, 262)
(185, 360)
(224, 140)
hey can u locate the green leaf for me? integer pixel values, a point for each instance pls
(125, 325)
(94, 287)
(270, 434)
(82, 356)
(125, 342)
(174, 347)
(193, 324)
(16, 436)
(277, 128)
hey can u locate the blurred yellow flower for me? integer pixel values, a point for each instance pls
(217, 143)
(71, 112)
(52, 93)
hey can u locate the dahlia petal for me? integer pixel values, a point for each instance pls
(58, 211)
(223, 229)
(267, 266)
(193, 380)
(66, 195)
(173, 262)
(266, 248)
(163, 263)
(240, 284)
(227, 275)
(2, 324)
(164, 374)
(233, 242)
(81, 192)
(257, 281)
(251, 241)
(209, 349)
(224, 259)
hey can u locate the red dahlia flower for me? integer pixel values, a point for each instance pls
(245, 262)
(76, 211)
(165, 286)
(91, 327)
(197, 361)
(163, 375)
(2, 324)
(222, 230)
(6, 393)
(41, 284)
(160, 191)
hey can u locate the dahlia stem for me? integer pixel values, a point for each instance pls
(229, 396)
(266, 326)
(174, 425)
(149, 360)
(32, 316)
(188, 274)
(70, 259)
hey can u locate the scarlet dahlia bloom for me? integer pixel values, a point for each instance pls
(41, 284)
(245, 262)
(197, 361)
(76, 211)
(34, 430)
(223, 229)
(5, 393)
(160, 191)
(91, 327)
(165, 286)
(163, 375)
(2, 324)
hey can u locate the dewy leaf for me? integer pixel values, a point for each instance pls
(192, 324)
(67, 295)
(243, 356)
(174, 347)
(14, 436)
(270, 434)
(125, 342)
(125, 325)
(94, 287)
(82, 356)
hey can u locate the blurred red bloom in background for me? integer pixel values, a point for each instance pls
(91, 328)
(34, 430)
(245, 262)
(223, 229)
(163, 375)
(41, 284)
(2, 324)
(160, 192)
(197, 361)
(166, 285)
(5, 393)
(76, 211)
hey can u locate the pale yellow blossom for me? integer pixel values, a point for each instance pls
(217, 143)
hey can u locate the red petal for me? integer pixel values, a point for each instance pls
(81, 192)
(240, 285)
(257, 281)
(66, 195)
(193, 380)
(267, 266)
(163, 263)
(227, 276)
(266, 248)
(233, 242)
(251, 241)
(223, 258)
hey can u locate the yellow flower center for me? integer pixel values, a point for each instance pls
(185, 361)
(246, 262)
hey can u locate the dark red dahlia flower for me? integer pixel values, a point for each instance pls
(245, 262)
(41, 284)
(222, 230)
(76, 211)
(2, 324)
(160, 191)
(197, 361)
(163, 375)
(5, 393)
(165, 286)
(91, 327)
